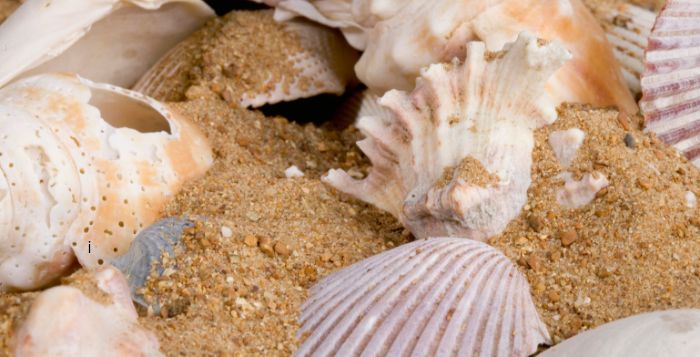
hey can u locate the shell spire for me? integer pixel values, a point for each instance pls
(454, 158)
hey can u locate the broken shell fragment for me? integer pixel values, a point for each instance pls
(95, 162)
(661, 333)
(146, 251)
(63, 321)
(576, 194)
(110, 41)
(565, 144)
(454, 158)
(671, 79)
(434, 297)
(311, 60)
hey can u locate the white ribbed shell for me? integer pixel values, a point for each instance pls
(440, 296)
(671, 80)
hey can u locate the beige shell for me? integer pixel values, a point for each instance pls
(313, 60)
(86, 166)
(434, 297)
(110, 41)
(63, 321)
(454, 157)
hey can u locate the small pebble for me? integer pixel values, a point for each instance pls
(226, 232)
(293, 172)
(534, 262)
(629, 141)
(267, 249)
(251, 241)
(535, 223)
(568, 237)
(282, 249)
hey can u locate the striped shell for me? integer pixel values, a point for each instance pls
(671, 80)
(672, 333)
(433, 297)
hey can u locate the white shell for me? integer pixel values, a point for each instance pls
(434, 297)
(64, 322)
(672, 333)
(85, 167)
(671, 79)
(565, 144)
(110, 41)
(576, 194)
(459, 112)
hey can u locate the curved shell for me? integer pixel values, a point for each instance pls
(434, 297)
(454, 157)
(95, 162)
(672, 333)
(44, 36)
(671, 80)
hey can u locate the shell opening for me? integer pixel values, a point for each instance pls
(122, 111)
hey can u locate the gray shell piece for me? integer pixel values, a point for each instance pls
(147, 249)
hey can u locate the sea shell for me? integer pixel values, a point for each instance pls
(85, 167)
(400, 38)
(454, 158)
(146, 250)
(627, 28)
(576, 194)
(65, 322)
(322, 63)
(671, 79)
(672, 333)
(110, 41)
(434, 297)
(565, 144)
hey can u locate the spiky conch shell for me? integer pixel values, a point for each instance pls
(671, 333)
(63, 321)
(85, 167)
(483, 111)
(400, 38)
(434, 297)
(671, 79)
(324, 65)
(109, 41)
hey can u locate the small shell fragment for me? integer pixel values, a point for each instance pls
(576, 194)
(565, 144)
(433, 297)
(293, 172)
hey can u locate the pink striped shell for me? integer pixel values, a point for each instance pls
(438, 296)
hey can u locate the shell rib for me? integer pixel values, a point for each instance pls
(65, 322)
(434, 297)
(672, 333)
(110, 41)
(627, 28)
(85, 166)
(454, 158)
(320, 62)
(671, 80)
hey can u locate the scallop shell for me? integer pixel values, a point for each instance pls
(323, 64)
(86, 167)
(454, 158)
(65, 322)
(434, 297)
(672, 333)
(147, 249)
(110, 41)
(627, 28)
(671, 80)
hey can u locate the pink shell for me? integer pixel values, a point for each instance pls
(440, 296)
(671, 79)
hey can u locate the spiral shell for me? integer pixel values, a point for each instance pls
(85, 167)
(434, 297)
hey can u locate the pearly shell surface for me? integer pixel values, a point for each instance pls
(65, 322)
(110, 41)
(476, 118)
(86, 167)
(434, 297)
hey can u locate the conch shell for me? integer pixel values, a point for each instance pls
(85, 167)
(63, 321)
(400, 38)
(110, 41)
(454, 158)
(434, 297)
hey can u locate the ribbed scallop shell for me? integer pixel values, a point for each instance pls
(434, 297)
(627, 27)
(671, 80)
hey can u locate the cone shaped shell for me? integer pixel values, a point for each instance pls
(434, 297)
(111, 41)
(672, 333)
(671, 80)
(95, 162)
